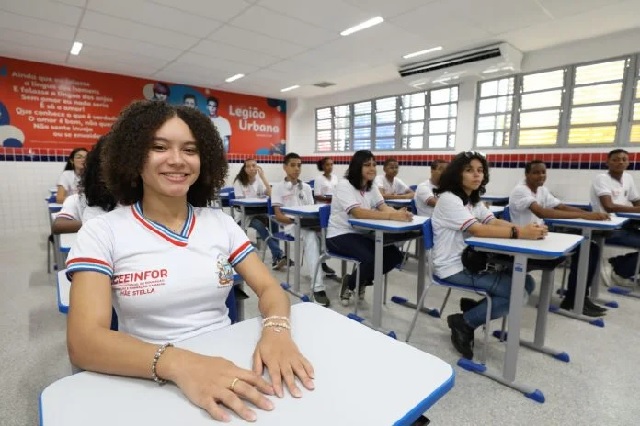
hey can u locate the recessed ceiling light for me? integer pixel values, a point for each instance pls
(77, 47)
(363, 25)
(422, 52)
(234, 78)
(286, 89)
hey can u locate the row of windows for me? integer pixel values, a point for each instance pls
(579, 105)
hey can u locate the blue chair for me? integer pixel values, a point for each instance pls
(325, 213)
(279, 235)
(506, 215)
(427, 231)
(413, 187)
(231, 191)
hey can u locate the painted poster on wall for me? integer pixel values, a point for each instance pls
(44, 106)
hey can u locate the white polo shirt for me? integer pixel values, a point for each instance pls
(623, 192)
(73, 207)
(323, 185)
(521, 199)
(345, 198)
(69, 180)
(287, 194)
(424, 192)
(166, 286)
(253, 190)
(450, 220)
(397, 187)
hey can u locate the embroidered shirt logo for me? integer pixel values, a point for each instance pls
(225, 271)
(139, 283)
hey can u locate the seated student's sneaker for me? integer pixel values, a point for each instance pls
(345, 292)
(279, 263)
(320, 297)
(327, 270)
(461, 335)
(617, 280)
(588, 302)
(586, 310)
(466, 303)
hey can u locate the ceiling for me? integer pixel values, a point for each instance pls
(279, 43)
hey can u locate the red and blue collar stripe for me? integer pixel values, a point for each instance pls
(181, 239)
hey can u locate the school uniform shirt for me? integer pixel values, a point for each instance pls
(166, 286)
(69, 180)
(93, 211)
(345, 198)
(323, 185)
(288, 194)
(253, 190)
(397, 187)
(521, 199)
(622, 192)
(424, 193)
(73, 207)
(450, 221)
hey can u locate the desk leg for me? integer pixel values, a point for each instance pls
(297, 255)
(243, 219)
(595, 285)
(376, 319)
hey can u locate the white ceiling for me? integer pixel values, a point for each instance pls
(279, 43)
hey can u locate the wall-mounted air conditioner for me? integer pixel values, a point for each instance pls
(485, 62)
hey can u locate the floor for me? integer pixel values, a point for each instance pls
(598, 386)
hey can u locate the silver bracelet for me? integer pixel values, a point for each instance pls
(156, 357)
(275, 317)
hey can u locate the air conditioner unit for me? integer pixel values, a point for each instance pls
(485, 62)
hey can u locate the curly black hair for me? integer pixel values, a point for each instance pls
(451, 179)
(92, 184)
(354, 171)
(129, 142)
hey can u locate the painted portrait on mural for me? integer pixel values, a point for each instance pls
(10, 136)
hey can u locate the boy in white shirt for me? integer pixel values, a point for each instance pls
(293, 192)
(613, 192)
(391, 187)
(424, 198)
(531, 202)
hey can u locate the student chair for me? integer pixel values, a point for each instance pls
(279, 235)
(427, 231)
(413, 187)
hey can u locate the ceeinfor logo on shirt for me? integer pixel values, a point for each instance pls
(139, 283)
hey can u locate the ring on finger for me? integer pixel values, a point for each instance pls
(233, 384)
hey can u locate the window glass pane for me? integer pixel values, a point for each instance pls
(636, 111)
(505, 86)
(635, 133)
(595, 114)
(323, 135)
(414, 100)
(323, 146)
(416, 128)
(487, 122)
(341, 110)
(498, 139)
(361, 144)
(323, 113)
(362, 133)
(551, 98)
(386, 117)
(323, 124)
(546, 118)
(504, 103)
(452, 140)
(443, 111)
(488, 106)
(484, 139)
(386, 104)
(442, 96)
(437, 141)
(638, 89)
(595, 135)
(362, 120)
(597, 94)
(413, 142)
(452, 125)
(542, 81)
(362, 108)
(385, 131)
(603, 71)
(538, 137)
(341, 122)
(385, 144)
(489, 88)
(438, 126)
(341, 137)
(413, 114)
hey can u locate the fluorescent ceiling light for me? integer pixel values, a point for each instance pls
(362, 26)
(77, 47)
(421, 52)
(234, 78)
(286, 89)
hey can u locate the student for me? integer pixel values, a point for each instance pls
(459, 214)
(247, 185)
(614, 192)
(356, 196)
(293, 192)
(325, 183)
(392, 187)
(424, 198)
(70, 177)
(531, 202)
(166, 262)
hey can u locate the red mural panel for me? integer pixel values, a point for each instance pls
(45, 106)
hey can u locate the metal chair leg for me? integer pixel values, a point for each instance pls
(418, 306)
(444, 302)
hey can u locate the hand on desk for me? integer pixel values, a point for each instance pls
(281, 356)
(402, 215)
(533, 231)
(596, 216)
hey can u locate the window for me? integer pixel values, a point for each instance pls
(332, 128)
(443, 117)
(362, 119)
(494, 108)
(385, 137)
(540, 106)
(596, 101)
(635, 125)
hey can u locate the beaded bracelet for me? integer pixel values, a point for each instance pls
(275, 317)
(154, 364)
(277, 326)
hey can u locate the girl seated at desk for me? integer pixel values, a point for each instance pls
(325, 183)
(70, 177)
(459, 214)
(166, 263)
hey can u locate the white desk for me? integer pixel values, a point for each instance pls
(400, 202)
(493, 198)
(586, 227)
(584, 205)
(309, 211)
(244, 203)
(553, 246)
(496, 210)
(366, 392)
(391, 227)
(64, 288)
(54, 207)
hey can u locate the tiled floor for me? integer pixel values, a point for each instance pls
(598, 386)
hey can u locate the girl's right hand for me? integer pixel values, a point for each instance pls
(402, 215)
(533, 231)
(208, 381)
